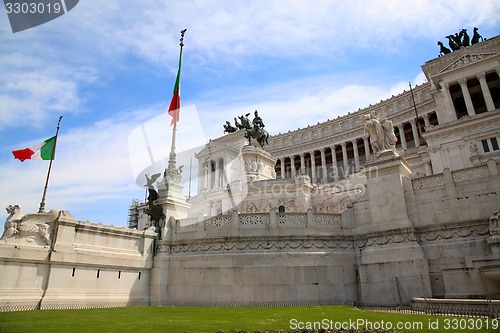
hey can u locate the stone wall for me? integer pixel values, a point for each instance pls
(269, 258)
(446, 247)
(82, 265)
(439, 250)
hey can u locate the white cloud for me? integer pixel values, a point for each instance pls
(230, 31)
(33, 89)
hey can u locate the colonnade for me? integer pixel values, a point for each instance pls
(336, 161)
(472, 95)
(211, 173)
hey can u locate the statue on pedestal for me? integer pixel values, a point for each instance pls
(155, 212)
(255, 129)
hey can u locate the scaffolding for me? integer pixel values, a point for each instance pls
(133, 215)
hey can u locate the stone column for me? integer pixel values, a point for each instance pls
(201, 175)
(344, 157)
(324, 171)
(426, 120)
(466, 94)
(313, 168)
(210, 174)
(282, 167)
(367, 147)
(205, 173)
(448, 105)
(402, 136)
(356, 154)
(335, 168)
(486, 92)
(216, 180)
(292, 166)
(222, 172)
(302, 164)
(414, 129)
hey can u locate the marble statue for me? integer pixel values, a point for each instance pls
(381, 134)
(494, 227)
(33, 228)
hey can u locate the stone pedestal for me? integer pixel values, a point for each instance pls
(393, 267)
(259, 164)
(171, 197)
(173, 202)
(385, 182)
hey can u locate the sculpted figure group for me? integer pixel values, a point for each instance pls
(30, 227)
(458, 40)
(254, 129)
(381, 134)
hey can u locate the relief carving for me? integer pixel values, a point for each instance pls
(494, 228)
(31, 228)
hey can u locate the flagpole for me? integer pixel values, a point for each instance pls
(42, 203)
(416, 114)
(190, 166)
(171, 161)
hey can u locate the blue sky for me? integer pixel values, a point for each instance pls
(109, 66)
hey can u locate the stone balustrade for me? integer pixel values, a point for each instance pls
(243, 223)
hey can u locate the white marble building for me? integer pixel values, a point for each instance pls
(317, 217)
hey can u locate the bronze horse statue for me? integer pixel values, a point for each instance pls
(254, 131)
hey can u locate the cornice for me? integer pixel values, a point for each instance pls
(463, 125)
(267, 243)
(304, 140)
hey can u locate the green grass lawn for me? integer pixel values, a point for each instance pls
(204, 319)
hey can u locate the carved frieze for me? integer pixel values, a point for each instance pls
(395, 238)
(30, 229)
(467, 59)
(262, 245)
(457, 232)
(494, 227)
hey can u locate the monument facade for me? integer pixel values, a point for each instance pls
(386, 204)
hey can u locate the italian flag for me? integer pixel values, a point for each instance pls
(175, 103)
(40, 151)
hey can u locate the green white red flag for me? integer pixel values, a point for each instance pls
(175, 103)
(41, 151)
(174, 109)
